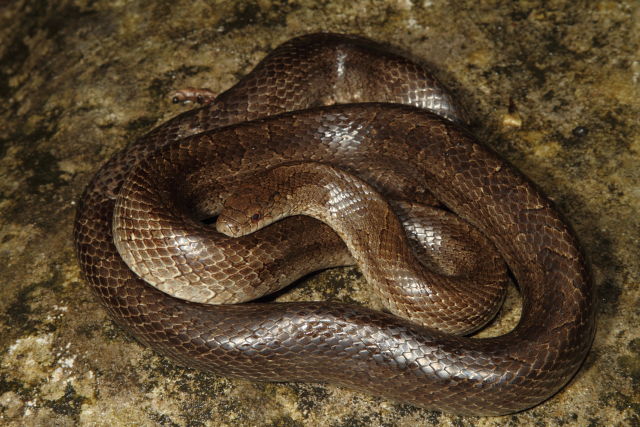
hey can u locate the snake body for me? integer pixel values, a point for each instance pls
(185, 169)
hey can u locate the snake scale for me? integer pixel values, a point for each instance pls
(332, 100)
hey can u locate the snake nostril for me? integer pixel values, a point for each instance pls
(228, 228)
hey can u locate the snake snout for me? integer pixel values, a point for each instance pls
(228, 227)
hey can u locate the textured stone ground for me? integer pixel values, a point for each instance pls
(551, 85)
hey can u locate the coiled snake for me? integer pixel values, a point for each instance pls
(165, 183)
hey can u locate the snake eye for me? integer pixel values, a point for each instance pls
(256, 217)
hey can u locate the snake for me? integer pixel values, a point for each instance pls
(319, 109)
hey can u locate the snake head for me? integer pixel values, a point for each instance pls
(251, 208)
(279, 192)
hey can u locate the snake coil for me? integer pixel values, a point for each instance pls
(281, 113)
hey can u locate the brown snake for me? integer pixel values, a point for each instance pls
(183, 170)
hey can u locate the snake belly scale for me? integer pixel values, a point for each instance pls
(281, 113)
